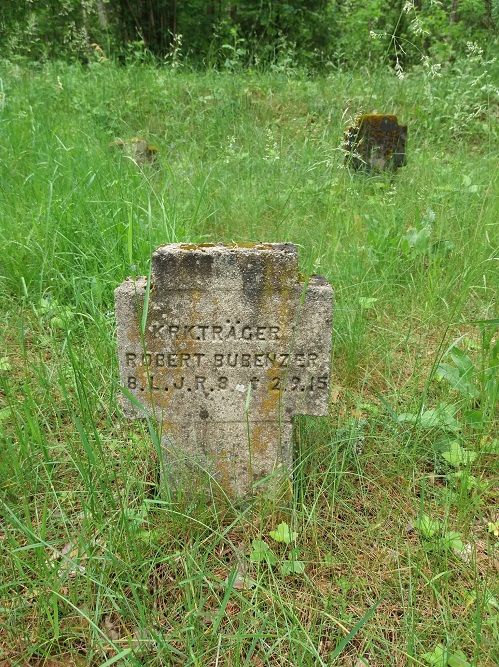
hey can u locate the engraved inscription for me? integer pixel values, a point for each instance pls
(220, 371)
(170, 360)
(204, 384)
(219, 360)
(214, 332)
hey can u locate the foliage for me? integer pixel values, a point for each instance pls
(283, 534)
(437, 538)
(229, 33)
(478, 384)
(442, 657)
(262, 553)
(49, 28)
(58, 316)
(443, 416)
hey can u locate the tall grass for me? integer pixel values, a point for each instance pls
(98, 567)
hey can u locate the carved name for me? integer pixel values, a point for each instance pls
(219, 359)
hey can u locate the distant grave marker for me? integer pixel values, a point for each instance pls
(376, 143)
(234, 346)
(138, 150)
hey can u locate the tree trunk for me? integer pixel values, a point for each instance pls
(86, 26)
(102, 14)
(488, 11)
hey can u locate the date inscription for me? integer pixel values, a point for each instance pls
(201, 383)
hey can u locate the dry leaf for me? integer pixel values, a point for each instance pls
(209, 617)
(69, 554)
(111, 628)
(142, 641)
(409, 527)
(56, 554)
(335, 393)
(242, 581)
(465, 554)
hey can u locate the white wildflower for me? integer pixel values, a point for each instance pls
(417, 27)
(271, 147)
(433, 68)
(399, 72)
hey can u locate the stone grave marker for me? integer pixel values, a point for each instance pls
(138, 150)
(235, 344)
(376, 143)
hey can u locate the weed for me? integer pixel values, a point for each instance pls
(437, 538)
(262, 553)
(442, 657)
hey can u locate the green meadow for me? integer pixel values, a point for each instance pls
(390, 550)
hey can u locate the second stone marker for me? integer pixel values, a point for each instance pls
(234, 345)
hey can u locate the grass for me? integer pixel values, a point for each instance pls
(97, 567)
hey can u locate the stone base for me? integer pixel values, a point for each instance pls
(225, 455)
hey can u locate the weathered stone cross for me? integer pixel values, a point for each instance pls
(234, 345)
